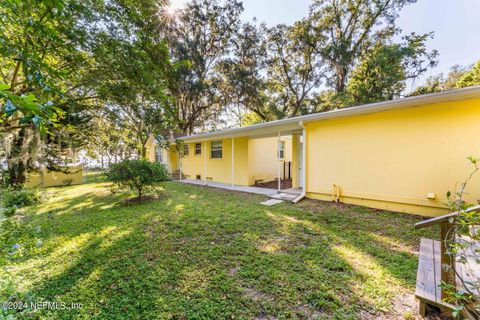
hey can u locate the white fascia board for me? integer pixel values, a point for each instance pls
(287, 125)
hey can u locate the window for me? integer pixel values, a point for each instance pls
(159, 154)
(281, 149)
(185, 149)
(216, 152)
(198, 148)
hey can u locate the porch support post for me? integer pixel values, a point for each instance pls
(205, 162)
(278, 162)
(233, 162)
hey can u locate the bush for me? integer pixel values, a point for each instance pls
(12, 199)
(137, 175)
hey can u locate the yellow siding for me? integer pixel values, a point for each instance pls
(192, 165)
(173, 158)
(262, 158)
(218, 170)
(391, 160)
(51, 179)
(150, 145)
(169, 154)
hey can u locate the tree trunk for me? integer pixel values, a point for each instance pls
(143, 154)
(18, 174)
(341, 80)
(16, 162)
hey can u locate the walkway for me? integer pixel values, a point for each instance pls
(257, 190)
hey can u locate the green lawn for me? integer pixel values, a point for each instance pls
(202, 253)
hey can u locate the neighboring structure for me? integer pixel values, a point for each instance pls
(401, 155)
(45, 178)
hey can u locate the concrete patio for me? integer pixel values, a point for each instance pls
(257, 190)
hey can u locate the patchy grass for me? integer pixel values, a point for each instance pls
(202, 253)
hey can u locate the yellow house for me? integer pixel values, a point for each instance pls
(258, 162)
(401, 155)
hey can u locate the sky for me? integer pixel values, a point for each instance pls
(456, 24)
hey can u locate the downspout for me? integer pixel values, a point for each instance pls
(233, 163)
(279, 187)
(304, 163)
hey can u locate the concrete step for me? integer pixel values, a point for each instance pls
(285, 196)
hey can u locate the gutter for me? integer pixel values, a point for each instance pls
(304, 163)
(289, 123)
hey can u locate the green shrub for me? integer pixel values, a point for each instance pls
(137, 175)
(12, 199)
(8, 211)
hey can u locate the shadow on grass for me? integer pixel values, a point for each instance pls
(207, 253)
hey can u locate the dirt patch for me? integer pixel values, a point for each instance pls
(284, 184)
(264, 317)
(232, 271)
(148, 198)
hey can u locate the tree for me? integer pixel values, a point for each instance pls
(342, 31)
(458, 77)
(133, 73)
(135, 92)
(112, 141)
(383, 71)
(200, 35)
(137, 175)
(241, 77)
(273, 73)
(293, 71)
(439, 82)
(471, 77)
(41, 62)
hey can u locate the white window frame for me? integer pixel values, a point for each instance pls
(198, 149)
(216, 146)
(281, 149)
(186, 151)
(158, 154)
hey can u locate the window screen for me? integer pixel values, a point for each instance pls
(216, 151)
(198, 148)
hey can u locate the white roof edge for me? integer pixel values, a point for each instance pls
(437, 97)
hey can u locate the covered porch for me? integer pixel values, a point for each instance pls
(266, 159)
(220, 185)
(285, 194)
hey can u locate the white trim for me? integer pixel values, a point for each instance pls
(304, 164)
(293, 123)
(278, 163)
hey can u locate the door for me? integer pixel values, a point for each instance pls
(300, 161)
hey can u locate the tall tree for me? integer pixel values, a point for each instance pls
(200, 35)
(383, 72)
(342, 31)
(294, 71)
(133, 73)
(241, 77)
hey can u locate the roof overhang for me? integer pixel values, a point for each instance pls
(287, 126)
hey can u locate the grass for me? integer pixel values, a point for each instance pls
(202, 253)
